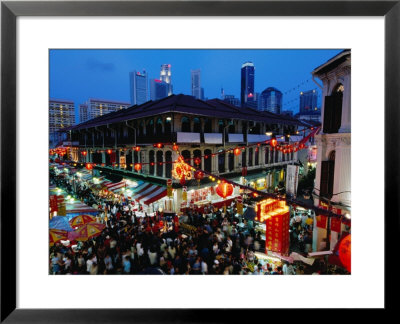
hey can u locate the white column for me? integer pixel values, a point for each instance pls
(342, 175)
(346, 106)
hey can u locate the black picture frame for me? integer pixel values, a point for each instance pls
(10, 10)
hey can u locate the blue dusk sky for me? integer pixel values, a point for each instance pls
(78, 75)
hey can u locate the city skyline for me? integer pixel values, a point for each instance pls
(78, 75)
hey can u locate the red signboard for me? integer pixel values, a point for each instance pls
(53, 203)
(277, 233)
(336, 224)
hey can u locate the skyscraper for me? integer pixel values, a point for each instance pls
(98, 107)
(271, 100)
(308, 101)
(139, 87)
(165, 76)
(196, 87)
(158, 89)
(247, 83)
(61, 115)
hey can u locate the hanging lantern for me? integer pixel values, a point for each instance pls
(138, 167)
(198, 175)
(273, 142)
(175, 147)
(197, 161)
(301, 146)
(224, 189)
(136, 148)
(89, 166)
(109, 151)
(237, 151)
(345, 252)
(84, 153)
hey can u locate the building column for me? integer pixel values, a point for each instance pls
(163, 159)
(346, 107)
(214, 163)
(103, 157)
(226, 161)
(342, 175)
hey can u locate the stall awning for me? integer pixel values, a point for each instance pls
(115, 186)
(149, 193)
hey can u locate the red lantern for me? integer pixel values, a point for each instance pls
(237, 151)
(136, 148)
(109, 151)
(84, 153)
(224, 189)
(138, 167)
(345, 252)
(273, 142)
(89, 166)
(199, 175)
(301, 146)
(175, 147)
(197, 161)
(182, 181)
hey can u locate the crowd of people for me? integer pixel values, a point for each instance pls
(216, 243)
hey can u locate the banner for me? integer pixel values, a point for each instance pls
(336, 224)
(321, 221)
(53, 203)
(277, 233)
(292, 179)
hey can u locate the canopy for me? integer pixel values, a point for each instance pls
(60, 223)
(81, 220)
(86, 232)
(57, 236)
(149, 193)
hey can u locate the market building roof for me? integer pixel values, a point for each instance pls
(185, 104)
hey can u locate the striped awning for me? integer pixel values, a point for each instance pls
(148, 193)
(114, 186)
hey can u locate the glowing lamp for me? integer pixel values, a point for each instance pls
(198, 175)
(89, 166)
(224, 189)
(138, 167)
(273, 142)
(137, 148)
(197, 161)
(175, 147)
(236, 151)
(109, 151)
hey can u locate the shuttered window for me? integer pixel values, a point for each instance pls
(333, 113)
(327, 175)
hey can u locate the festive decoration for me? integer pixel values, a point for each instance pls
(237, 151)
(273, 142)
(175, 147)
(158, 145)
(224, 189)
(181, 170)
(136, 148)
(138, 167)
(109, 151)
(197, 161)
(345, 252)
(198, 175)
(89, 166)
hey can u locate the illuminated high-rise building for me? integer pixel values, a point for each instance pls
(247, 84)
(308, 101)
(165, 76)
(271, 100)
(158, 89)
(61, 115)
(138, 87)
(196, 85)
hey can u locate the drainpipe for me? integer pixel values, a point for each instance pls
(319, 86)
(127, 124)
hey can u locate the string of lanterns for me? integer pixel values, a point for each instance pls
(273, 142)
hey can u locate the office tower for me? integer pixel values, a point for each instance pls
(98, 107)
(247, 83)
(165, 76)
(139, 87)
(158, 89)
(61, 115)
(308, 101)
(271, 100)
(196, 87)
